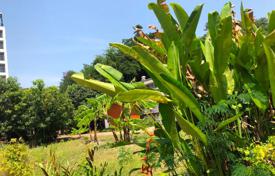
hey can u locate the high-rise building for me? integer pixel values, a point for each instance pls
(3, 50)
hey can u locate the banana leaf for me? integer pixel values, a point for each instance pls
(166, 22)
(153, 44)
(169, 122)
(191, 129)
(270, 56)
(183, 95)
(103, 87)
(173, 63)
(181, 15)
(112, 75)
(271, 24)
(142, 94)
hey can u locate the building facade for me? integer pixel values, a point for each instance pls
(3, 50)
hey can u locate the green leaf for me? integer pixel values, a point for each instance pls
(223, 45)
(254, 90)
(208, 51)
(189, 31)
(270, 38)
(103, 87)
(271, 24)
(134, 85)
(106, 71)
(270, 56)
(147, 60)
(230, 81)
(169, 122)
(191, 129)
(213, 22)
(112, 75)
(183, 95)
(188, 36)
(227, 121)
(181, 15)
(246, 22)
(165, 21)
(226, 11)
(159, 49)
(173, 61)
(142, 94)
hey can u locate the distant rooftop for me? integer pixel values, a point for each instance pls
(1, 19)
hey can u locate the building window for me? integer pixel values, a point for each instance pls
(2, 56)
(1, 34)
(3, 77)
(1, 45)
(2, 68)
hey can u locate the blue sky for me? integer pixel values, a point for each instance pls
(48, 37)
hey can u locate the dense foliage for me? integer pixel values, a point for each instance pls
(219, 91)
(15, 159)
(36, 114)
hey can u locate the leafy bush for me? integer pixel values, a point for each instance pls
(14, 159)
(260, 156)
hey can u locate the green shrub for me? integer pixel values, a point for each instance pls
(260, 156)
(14, 159)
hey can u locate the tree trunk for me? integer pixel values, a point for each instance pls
(126, 133)
(120, 135)
(90, 134)
(95, 132)
(115, 135)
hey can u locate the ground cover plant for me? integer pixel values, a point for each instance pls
(219, 90)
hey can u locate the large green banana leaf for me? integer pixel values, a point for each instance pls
(100, 86)
(159, 49)
(189, 31)
(166, 22)
(180, 93)
(181, 15)
(271, 24)
(191, 129)
(169, 122)
(217, 50)
(113, 75)
(142, 94)
(270, 55)
(173, 62)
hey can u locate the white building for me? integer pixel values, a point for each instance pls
(3, 50)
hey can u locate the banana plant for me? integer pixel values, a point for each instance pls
(228, 61)
(93, 110)
(116, 87)
(167, 59)
(217, 50)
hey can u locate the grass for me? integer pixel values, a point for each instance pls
(73, 153)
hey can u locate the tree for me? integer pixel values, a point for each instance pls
(49, 112)
(12, 110)
(66, 81)
(262, 23)
(79, 94)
